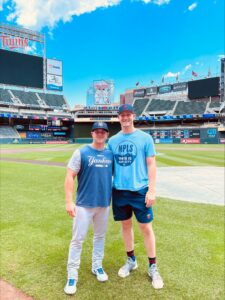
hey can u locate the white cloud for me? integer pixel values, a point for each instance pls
(171, 75)
(158, 2)
(192, 6)
(36, 14)
(186, 68)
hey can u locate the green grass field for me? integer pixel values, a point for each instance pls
(178, 155)
(36, 231)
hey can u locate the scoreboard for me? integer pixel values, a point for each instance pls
(170, 136)
(21, 69)
(202, 88)
(185, 135)
(175, 133)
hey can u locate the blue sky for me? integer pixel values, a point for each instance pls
(124, 40)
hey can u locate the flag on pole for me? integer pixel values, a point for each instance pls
(193, 73)
(137, 83)
(209, 73)
(177, 77)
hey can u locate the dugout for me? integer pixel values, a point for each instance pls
(82, 131)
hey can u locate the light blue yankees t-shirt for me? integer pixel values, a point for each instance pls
(130, 152)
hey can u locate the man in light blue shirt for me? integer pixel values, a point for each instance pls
(134, 189)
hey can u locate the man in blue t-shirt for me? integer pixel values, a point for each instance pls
(134, 189)
(92, 164)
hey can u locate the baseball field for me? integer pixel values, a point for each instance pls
(36, 231)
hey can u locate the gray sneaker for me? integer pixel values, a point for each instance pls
(157, 281)
(129, 266)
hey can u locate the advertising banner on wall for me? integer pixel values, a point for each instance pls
(190, 141)
(57, 142)
(54, 82)
(211, 132)
(54, 67)
(166, 141)
(33, 135)
(54, 75)
(151, 90)
(165, 89)
(177, 87)
(139, 93)
(103, 91)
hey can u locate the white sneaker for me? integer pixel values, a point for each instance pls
(100, 274)
(129, 266)
(70, 287)
(157, 281)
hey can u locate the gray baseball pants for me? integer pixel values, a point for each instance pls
(98, 217)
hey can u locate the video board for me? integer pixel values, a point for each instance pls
(103, 91)
(21, 69)
(175, 133)
(203, 88)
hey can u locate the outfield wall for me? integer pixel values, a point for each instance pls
(34, 141)
(185, 135)
(176, 135)
(82, 134)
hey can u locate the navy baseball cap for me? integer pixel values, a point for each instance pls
(100, 125)
(126, 107)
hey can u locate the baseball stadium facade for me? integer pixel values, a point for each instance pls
(33, 108)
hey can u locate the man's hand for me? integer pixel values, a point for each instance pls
(71, 209)
(150, 198)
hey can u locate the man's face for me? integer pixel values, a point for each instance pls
(126, 118)
(99, 135)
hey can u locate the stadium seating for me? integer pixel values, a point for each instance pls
(27, 98)
(5, 97)
(214, 104)
(160, 105)
(190, 107)
(53, 100)
(32, 99)
(8, 132)
(139, 105)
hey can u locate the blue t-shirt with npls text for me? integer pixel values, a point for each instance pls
(130, 152)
